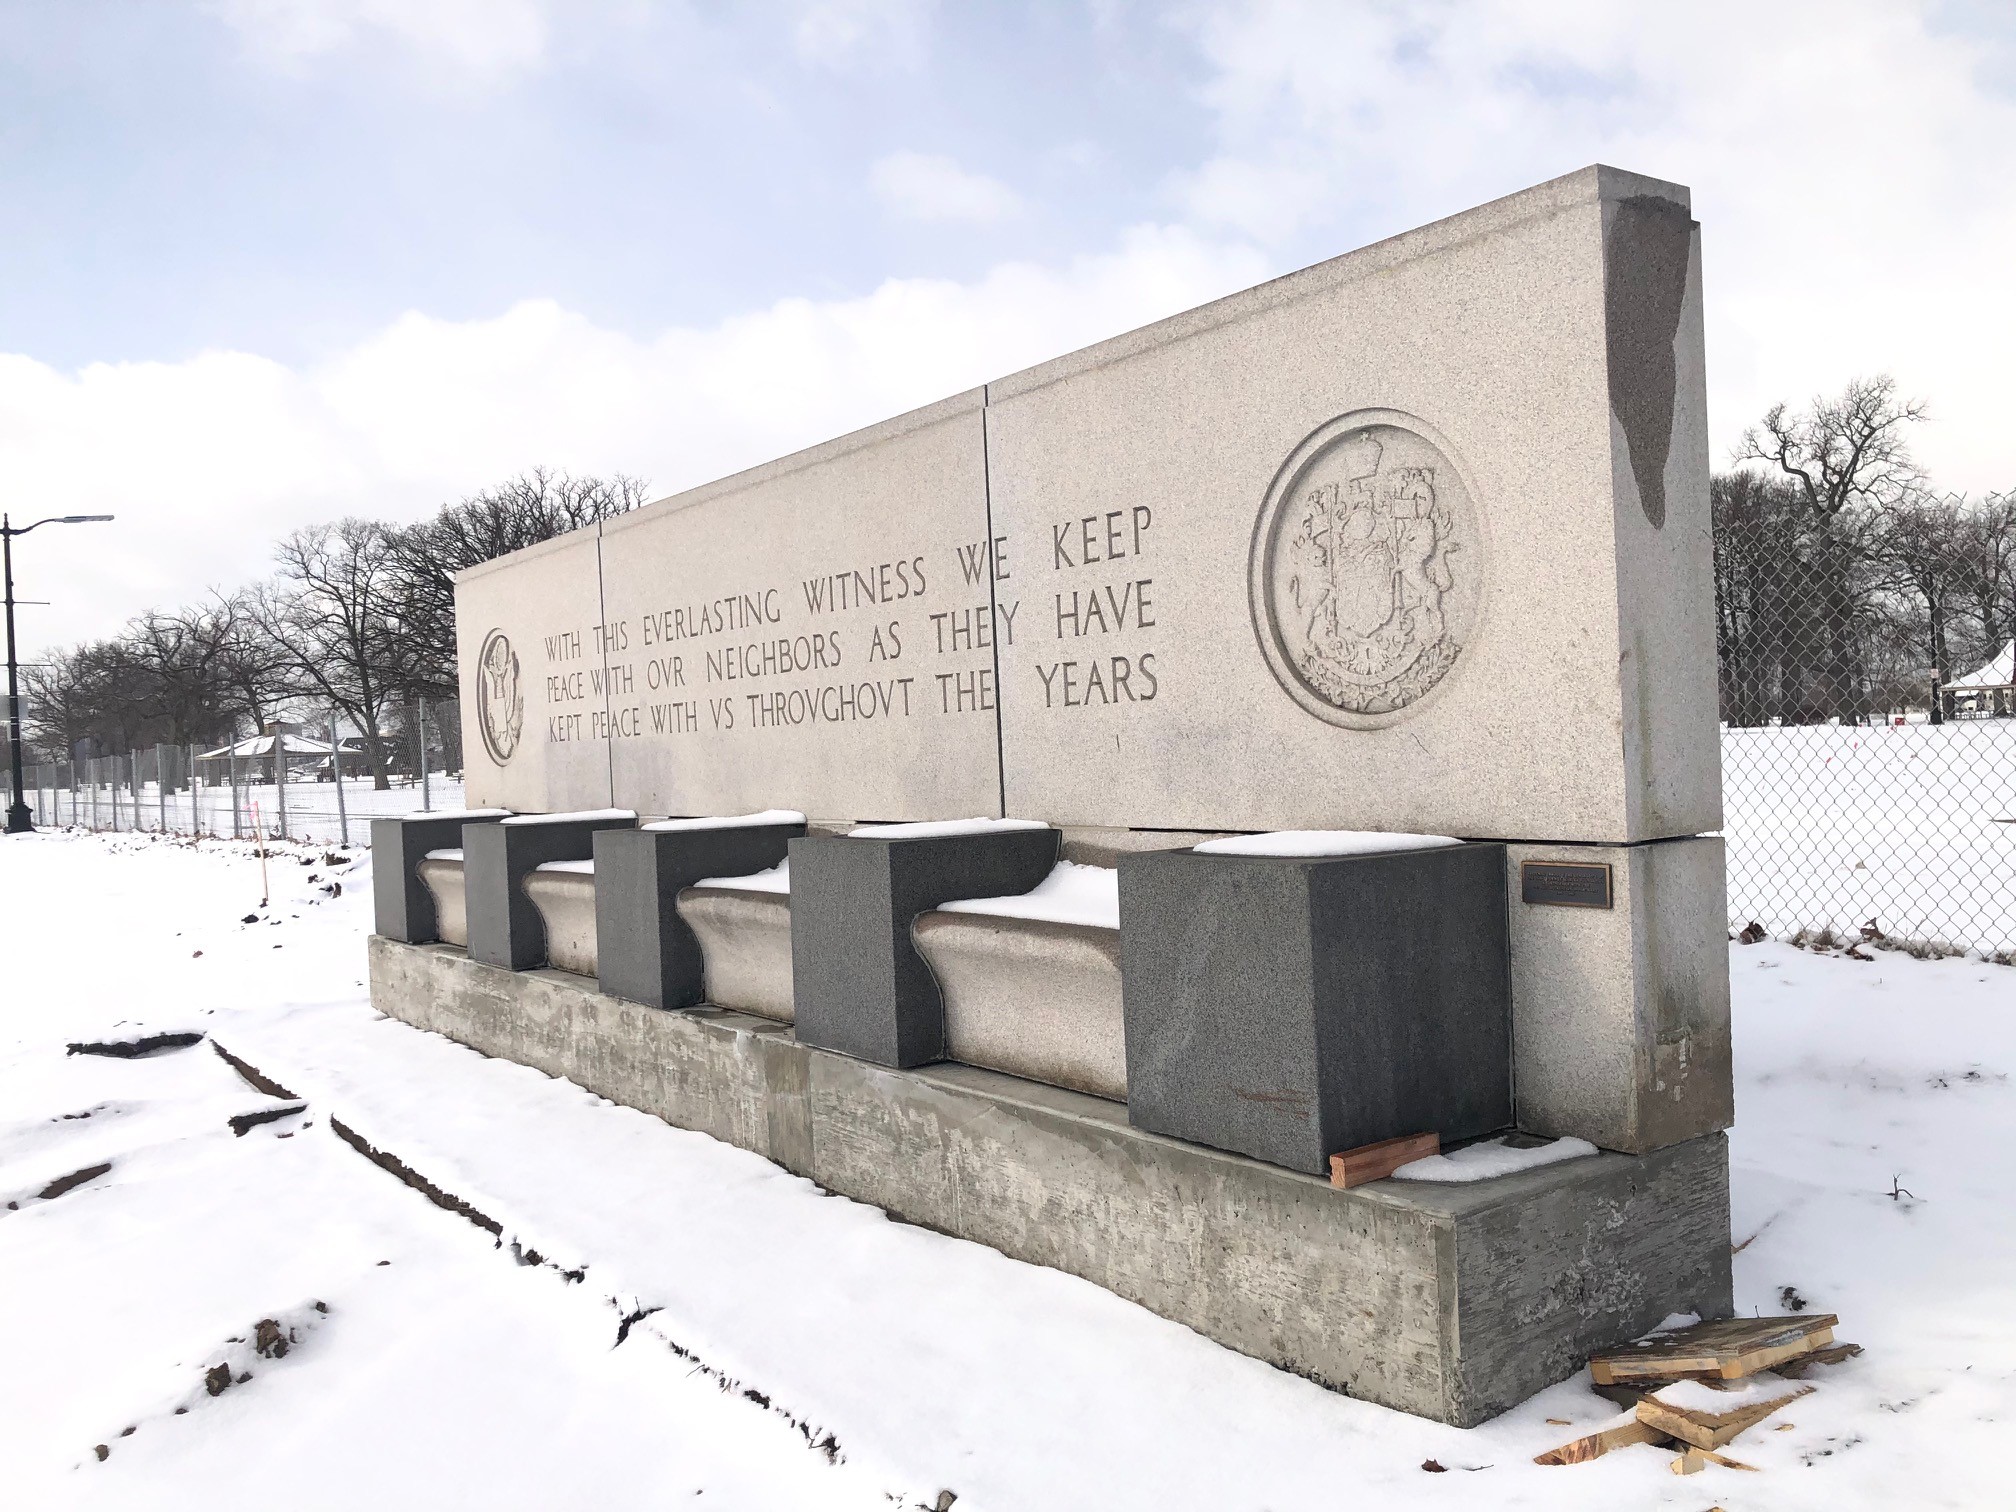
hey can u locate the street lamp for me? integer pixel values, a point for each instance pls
(18, 821)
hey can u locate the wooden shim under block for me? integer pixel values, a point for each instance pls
(1730, 1349)
(1596, 1445)
(1375, 1162)
(1711, 1430)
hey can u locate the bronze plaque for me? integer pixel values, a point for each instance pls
(1565, 884)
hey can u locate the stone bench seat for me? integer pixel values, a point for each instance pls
(564, 894)
(1031, 982)
(744, 928)
(441, 873)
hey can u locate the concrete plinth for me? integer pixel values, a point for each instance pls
(1453, 1302)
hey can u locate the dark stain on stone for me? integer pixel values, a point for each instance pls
(1645, 260)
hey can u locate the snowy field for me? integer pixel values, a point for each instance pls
(1910, 826)
(786, 1349)
(312, 812)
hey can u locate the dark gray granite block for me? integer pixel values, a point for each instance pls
(1288, 1008)
(860, 986)
(646, 952)
(504, 926)
(403, 909)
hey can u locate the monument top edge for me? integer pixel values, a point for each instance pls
(1589, 185)
(1592, 184)
(531, 553)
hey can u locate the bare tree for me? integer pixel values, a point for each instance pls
(329, 618)
(1848, 458)
(521, 512)
(1922, 539)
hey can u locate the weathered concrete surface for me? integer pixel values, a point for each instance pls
(1450, 1302)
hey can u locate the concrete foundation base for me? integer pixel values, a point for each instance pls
(1452, 1302)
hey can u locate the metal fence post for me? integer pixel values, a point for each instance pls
(231, 771)
(426, 787)
(280, 778)
(161, 787)
(336, 771)
(195, 795)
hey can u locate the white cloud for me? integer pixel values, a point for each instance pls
(1849, 169)
(483, 38)
(207, 462)
(929, 187)
(847, 34)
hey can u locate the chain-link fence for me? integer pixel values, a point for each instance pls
(1869, 722)
(291, 783)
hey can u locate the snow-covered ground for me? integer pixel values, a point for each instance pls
(312, 811)
(799, 1350)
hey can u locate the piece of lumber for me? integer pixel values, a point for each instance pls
(1711, 1430)
(1725, 1462)
(1375, 1162)
(1596, 1445)
(1692, 1461)
(1833, 1354)
(1730, 1349)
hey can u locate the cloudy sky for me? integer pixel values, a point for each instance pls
(267, 262)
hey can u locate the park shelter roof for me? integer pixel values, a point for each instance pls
(2000, 671)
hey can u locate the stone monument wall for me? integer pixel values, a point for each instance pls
(1416, 539)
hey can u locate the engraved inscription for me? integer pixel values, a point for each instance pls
(1367, 570)
(500, 696)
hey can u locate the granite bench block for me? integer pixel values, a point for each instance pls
(1288, 1007)
(647, 952)
(402, 907)
(504, 925)
(860, 985)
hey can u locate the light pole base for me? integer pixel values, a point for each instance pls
(18, 820)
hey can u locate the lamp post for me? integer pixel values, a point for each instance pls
(18, 821)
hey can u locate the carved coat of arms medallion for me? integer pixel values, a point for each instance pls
(500, 696)
(1367, 569)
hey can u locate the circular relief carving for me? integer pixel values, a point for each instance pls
(1367, 569)
(500, 697)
